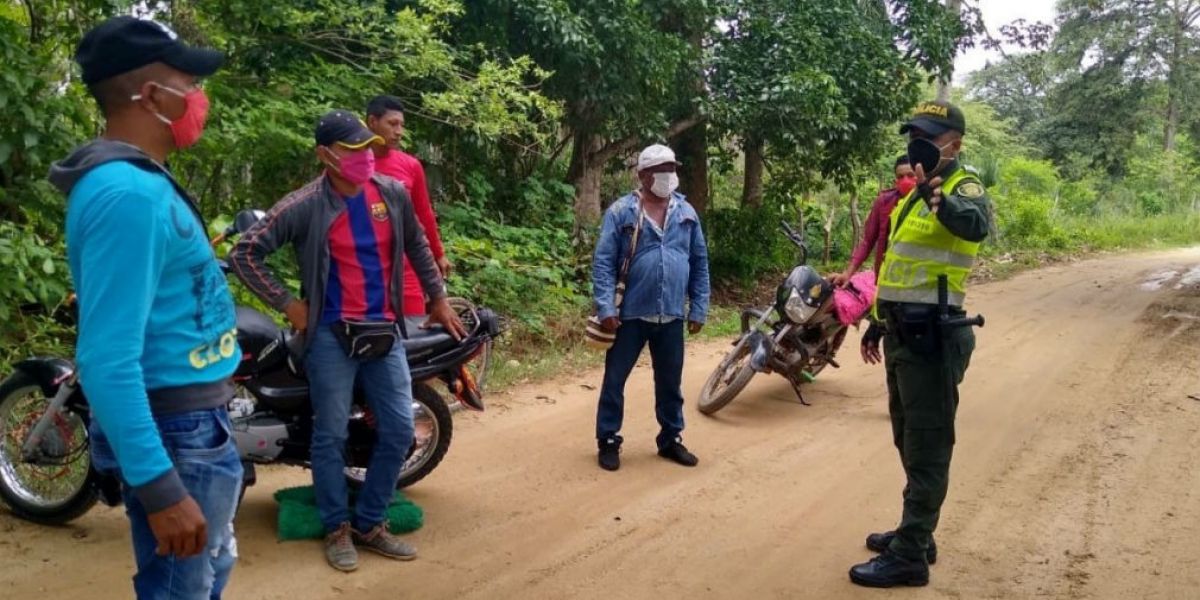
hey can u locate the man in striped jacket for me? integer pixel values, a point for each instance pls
(351, 229)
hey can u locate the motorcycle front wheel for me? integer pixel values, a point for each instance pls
(729, 378)
(433, 426)
(57, 488)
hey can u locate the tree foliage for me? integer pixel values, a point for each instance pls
(819, 85)
(521, 109)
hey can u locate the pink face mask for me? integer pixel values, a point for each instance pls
(186, 130)
(357, 167)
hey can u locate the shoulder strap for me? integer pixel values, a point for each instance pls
(624, 273)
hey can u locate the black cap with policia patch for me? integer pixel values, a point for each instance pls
(936, 118)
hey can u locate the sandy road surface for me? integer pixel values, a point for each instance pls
(1075, 477)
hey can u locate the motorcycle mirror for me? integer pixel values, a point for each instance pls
(791, 234)
(246, 219)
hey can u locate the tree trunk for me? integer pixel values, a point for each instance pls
(692, 144)
(692, 148)
(752, 189)
(584, 173)
(943, 87)
(1174, 65)
(855, 220)
(805, 201)
(828, 227)
(589, 154)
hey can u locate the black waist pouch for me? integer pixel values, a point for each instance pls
(365, 340)
(916, 325)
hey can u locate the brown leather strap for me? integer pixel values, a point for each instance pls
(624, 273)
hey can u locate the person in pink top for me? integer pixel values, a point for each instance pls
(385, 118)
(875, 232)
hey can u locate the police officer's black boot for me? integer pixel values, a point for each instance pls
(890, 569)
(879, 542)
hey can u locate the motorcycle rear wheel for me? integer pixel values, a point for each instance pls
(433, 427)
(728, 379)
(50, 493)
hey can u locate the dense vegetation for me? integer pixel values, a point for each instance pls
(527, 112)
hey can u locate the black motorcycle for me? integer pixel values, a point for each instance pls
(798, 344)
(46, 474)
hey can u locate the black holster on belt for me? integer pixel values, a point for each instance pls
(915, 327)
(366, 340)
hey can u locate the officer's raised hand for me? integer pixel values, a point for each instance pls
(930, 191)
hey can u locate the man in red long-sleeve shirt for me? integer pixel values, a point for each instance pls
(875, 232)
(385, 117)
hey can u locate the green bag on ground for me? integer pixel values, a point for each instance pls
(299, 519)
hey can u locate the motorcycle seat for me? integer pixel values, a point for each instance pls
(420, 340)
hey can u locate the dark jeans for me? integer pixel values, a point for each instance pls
(923, 403)
(201, 446)
(666, 355)
(387, 385)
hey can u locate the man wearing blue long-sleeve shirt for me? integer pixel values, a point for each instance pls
(668, 266)
(157, 331)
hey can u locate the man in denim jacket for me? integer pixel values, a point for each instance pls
(669, 264)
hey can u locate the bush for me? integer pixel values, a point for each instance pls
(530, 273)
(743, 244)
(34, 273)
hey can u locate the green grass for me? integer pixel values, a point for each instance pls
(1074, 237)
(1128, 233)
(1079, 237)
(569, 354)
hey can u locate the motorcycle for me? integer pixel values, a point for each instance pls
(46, 474)
(798, 343)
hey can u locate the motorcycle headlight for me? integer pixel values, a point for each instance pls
(797, 310)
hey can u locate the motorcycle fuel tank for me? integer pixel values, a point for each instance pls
(261, 342)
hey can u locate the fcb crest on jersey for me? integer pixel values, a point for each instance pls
(379, 211)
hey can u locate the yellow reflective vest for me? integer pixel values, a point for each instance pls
(920, 248)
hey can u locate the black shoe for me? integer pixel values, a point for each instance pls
(879, 542)
(888, 569)
(610, 454)
(676, 451)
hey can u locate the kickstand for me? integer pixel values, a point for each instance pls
(799, 394)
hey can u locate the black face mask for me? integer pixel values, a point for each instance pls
(925, 153)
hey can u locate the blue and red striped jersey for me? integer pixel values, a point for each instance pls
(360, 261)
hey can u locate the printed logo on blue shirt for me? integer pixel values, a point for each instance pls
(214, 316)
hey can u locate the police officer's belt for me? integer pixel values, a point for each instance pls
(916, 326)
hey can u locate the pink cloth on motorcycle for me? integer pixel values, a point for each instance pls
(853, 301)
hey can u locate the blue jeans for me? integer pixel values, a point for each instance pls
(387, 385)
(666, 356)
(202, 448)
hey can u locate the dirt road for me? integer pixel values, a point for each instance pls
(1074, 477)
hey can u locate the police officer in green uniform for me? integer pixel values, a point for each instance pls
(935, 231)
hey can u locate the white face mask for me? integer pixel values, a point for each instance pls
(664, 184)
